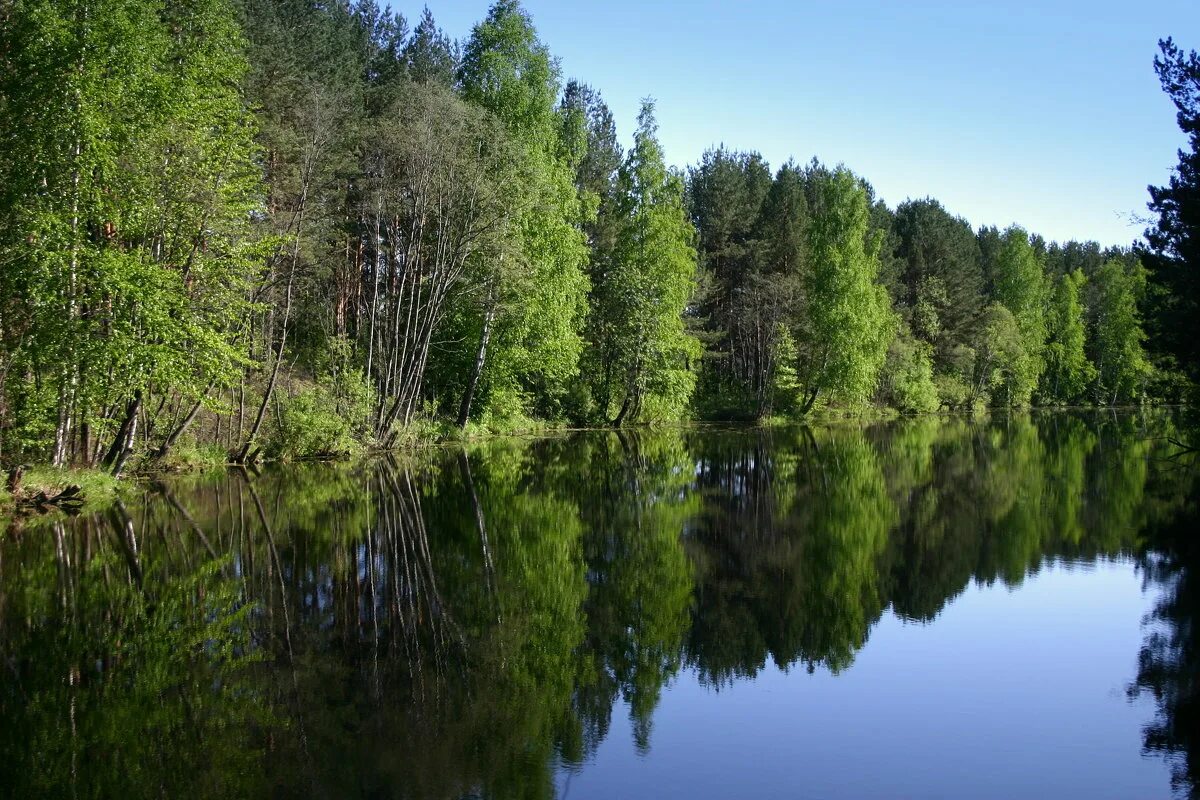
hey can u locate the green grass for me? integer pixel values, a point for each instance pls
(190, 457)
(98, 487)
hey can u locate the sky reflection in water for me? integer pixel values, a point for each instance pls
(934, 608)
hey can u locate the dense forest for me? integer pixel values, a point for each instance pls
(237, 229)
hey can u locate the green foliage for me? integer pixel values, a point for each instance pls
(954, 391)
(1019, 285)
(1003, 368)
(726, 193)
(1172, 249)
(844, 341)
(206, 202)
(126, 219)
(941, 289)
(193, 456)
(542, 292)
(908, 382)
(785, 386)
(98, 488)
(645, 354)
(1121, 363)
(309, 425)
(1069, 372)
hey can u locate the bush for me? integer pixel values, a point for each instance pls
(192, 456)
(1167, 383)
(908, 376)
(953, 392)
(309, 425)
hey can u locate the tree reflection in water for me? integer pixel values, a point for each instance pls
(1169, 662)
(461, 624)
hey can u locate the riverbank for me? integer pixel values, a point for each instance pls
(44, 489)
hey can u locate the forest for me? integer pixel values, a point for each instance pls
(234, 230)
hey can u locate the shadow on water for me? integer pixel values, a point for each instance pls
(463, 625)
(1169, 662)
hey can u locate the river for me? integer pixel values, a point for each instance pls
(935, 608)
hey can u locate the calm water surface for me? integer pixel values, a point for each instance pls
(930, 609)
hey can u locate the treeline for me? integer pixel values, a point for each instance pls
(291, 228)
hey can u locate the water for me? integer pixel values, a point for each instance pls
(941, 608)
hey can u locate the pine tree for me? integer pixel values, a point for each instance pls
(1172, 255)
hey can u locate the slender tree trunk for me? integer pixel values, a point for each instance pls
(62, 430)
(241, 422)
(242, 454)
(809, 401)
(179, 430)
(464, 409)
(625, 406)
(375, 269)
(66, 397)
(122, 446)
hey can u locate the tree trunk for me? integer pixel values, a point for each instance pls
(13, 484)
(464, 410)
(242, 454)
(125, 433)
(173, 437)
(62, 429)
(808, 403)
(625, 406)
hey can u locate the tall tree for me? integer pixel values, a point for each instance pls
(1120, 361)
(444, 194)
(528, 323)
(773, 296)
(584, 109)
(725, 196)
(1069, 371)
(1172, 254)
(649, 285)
(309, 82)
(1019, 284)
(850, 323)
(941, 281)
(128, 189)
(430, 55)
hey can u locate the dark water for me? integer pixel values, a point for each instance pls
(941, 608)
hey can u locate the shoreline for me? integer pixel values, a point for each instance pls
(85, 487)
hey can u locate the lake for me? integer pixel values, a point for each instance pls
(934, 608)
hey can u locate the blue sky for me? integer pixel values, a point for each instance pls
(1044, 114)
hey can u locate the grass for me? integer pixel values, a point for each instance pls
(98, 487)
(48, 479)
(188, 457)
